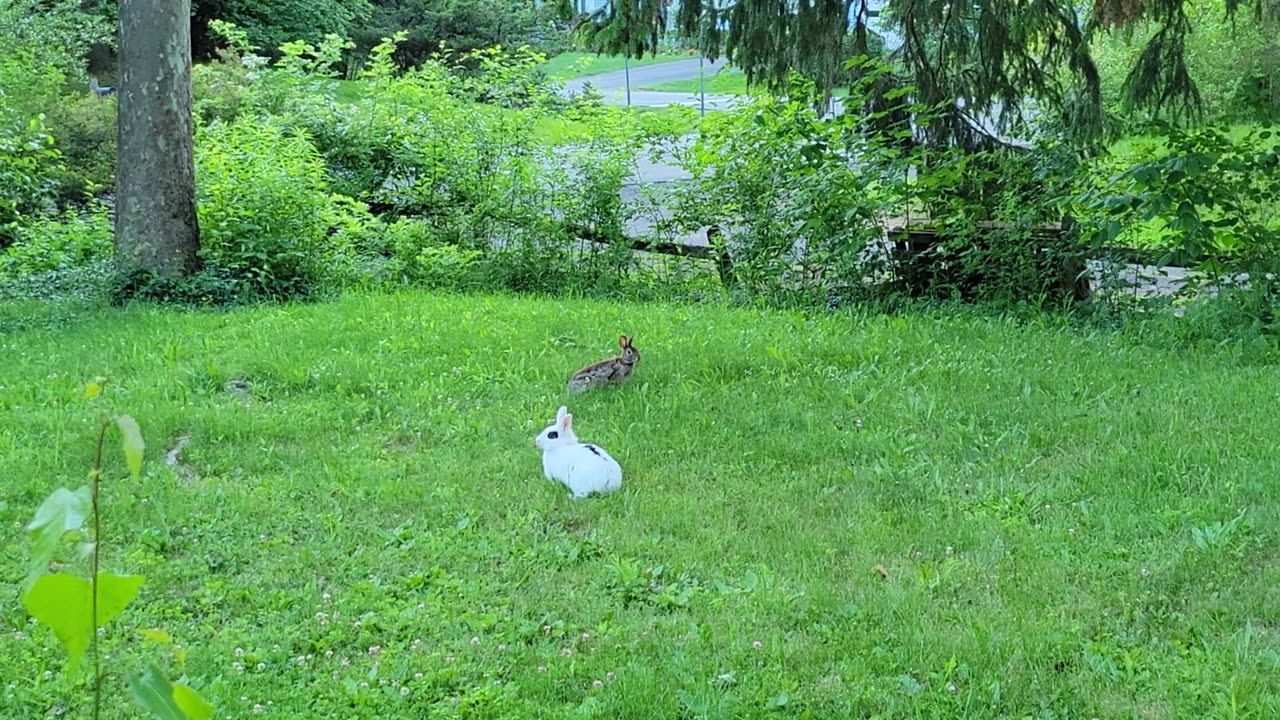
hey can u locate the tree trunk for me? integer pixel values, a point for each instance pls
(156, 228)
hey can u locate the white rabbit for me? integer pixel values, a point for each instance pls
(582, 467)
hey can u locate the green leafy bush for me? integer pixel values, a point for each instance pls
(272, 23)
(29, 167)
(69, 240)
(465, 25)
(777, 181)
(263, 205)
(1201, 197)
(84, 127)
(1001, 219)
(42, 50)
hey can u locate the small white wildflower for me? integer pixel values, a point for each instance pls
(475, 640)
(257, 709)
(404, 692)
(597, 684)
(375, 649)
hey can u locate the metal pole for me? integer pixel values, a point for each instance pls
(626, 71)
(702, 89)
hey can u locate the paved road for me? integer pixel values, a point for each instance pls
(613, 85)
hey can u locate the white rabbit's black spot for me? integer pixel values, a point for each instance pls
(553, 435)
(593, 449)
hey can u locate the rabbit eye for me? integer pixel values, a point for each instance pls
(553, 435)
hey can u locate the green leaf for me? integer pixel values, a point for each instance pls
(131, 440)
(63, 603)
(151, 691)
(114, 594)
(62, 512)
(191, 704)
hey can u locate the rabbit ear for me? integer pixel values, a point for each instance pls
(565, 421)
(624, 341)
(561, 413)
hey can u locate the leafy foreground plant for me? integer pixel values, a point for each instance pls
(73, 607)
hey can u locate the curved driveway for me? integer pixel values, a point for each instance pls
(613, 84)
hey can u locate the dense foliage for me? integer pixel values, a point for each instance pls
(1234, 63)
(992, 67)
(472, 171)
(463, 26)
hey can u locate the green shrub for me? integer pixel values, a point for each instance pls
(988, 209)
(1204, 197)
(29, 85)
(29, 167)
(263, 205)
(465, 25)
(59, 257)
(84, 127)
(70, 240)
(272, 23)
(775, 178)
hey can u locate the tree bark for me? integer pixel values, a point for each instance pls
(156, 227)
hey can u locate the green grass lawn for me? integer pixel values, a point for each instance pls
(925, 517)
(551, 128)
(561, 129)
(576, 63)
(729, 81)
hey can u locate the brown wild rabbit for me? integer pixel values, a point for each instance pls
(608, 371)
